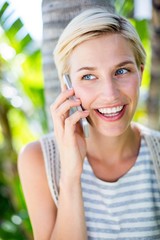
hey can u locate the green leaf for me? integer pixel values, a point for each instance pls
(3, 9)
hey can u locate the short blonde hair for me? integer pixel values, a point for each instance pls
(90, 24)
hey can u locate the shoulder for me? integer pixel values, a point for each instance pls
(30, 161)
(148, 132)
(32, 154)
(32, 148)
(39, 162)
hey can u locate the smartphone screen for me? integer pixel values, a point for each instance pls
(83, 121)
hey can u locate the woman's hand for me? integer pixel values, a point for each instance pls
(69, 134)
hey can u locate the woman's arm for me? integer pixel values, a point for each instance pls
(41, 207)
(70, 221)
(48, 222)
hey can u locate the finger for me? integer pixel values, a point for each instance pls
(71, 121)
(62, 111)
(60, 114)
(63, 96)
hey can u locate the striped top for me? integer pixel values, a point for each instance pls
(128, 209)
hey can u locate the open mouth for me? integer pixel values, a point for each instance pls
(111, 112)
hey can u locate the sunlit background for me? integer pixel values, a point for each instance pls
(21, 92)
(30, 13)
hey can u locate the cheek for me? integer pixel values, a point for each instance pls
(132, 91)
(132, 86)
(85, 95)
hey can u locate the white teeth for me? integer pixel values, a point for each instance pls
(110, 110)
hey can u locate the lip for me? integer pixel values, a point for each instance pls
(112, 118)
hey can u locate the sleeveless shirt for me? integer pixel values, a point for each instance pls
(126, 209)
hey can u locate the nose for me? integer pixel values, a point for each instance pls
(109, 90)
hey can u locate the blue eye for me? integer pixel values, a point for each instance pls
(121, 71)
(88, 77)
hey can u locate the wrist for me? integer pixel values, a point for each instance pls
(67, 182)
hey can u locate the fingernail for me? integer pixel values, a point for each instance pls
(77, 99)
(86, 111)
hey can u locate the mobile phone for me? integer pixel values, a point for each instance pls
(83, 121)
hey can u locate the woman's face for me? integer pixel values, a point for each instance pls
(106, 78)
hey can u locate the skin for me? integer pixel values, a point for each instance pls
(112, 83)
(104, 74)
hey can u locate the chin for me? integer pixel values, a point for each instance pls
(112, 130)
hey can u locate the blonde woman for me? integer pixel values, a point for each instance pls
(107, 185)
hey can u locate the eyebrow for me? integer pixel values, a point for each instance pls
(125, 63)
(86, 68)
(94, 68)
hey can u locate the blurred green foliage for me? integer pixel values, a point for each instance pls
(22, 116)
(22, 109)
(126, 9)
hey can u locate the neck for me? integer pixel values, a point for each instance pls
(111, 150)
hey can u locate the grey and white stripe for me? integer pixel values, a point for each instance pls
(127, 209)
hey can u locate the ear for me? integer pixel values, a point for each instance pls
(141, 70)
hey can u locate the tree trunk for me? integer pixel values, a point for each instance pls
(56, 15)
(154, 91)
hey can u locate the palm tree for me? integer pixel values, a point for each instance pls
(154, 91)
(56, 15)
